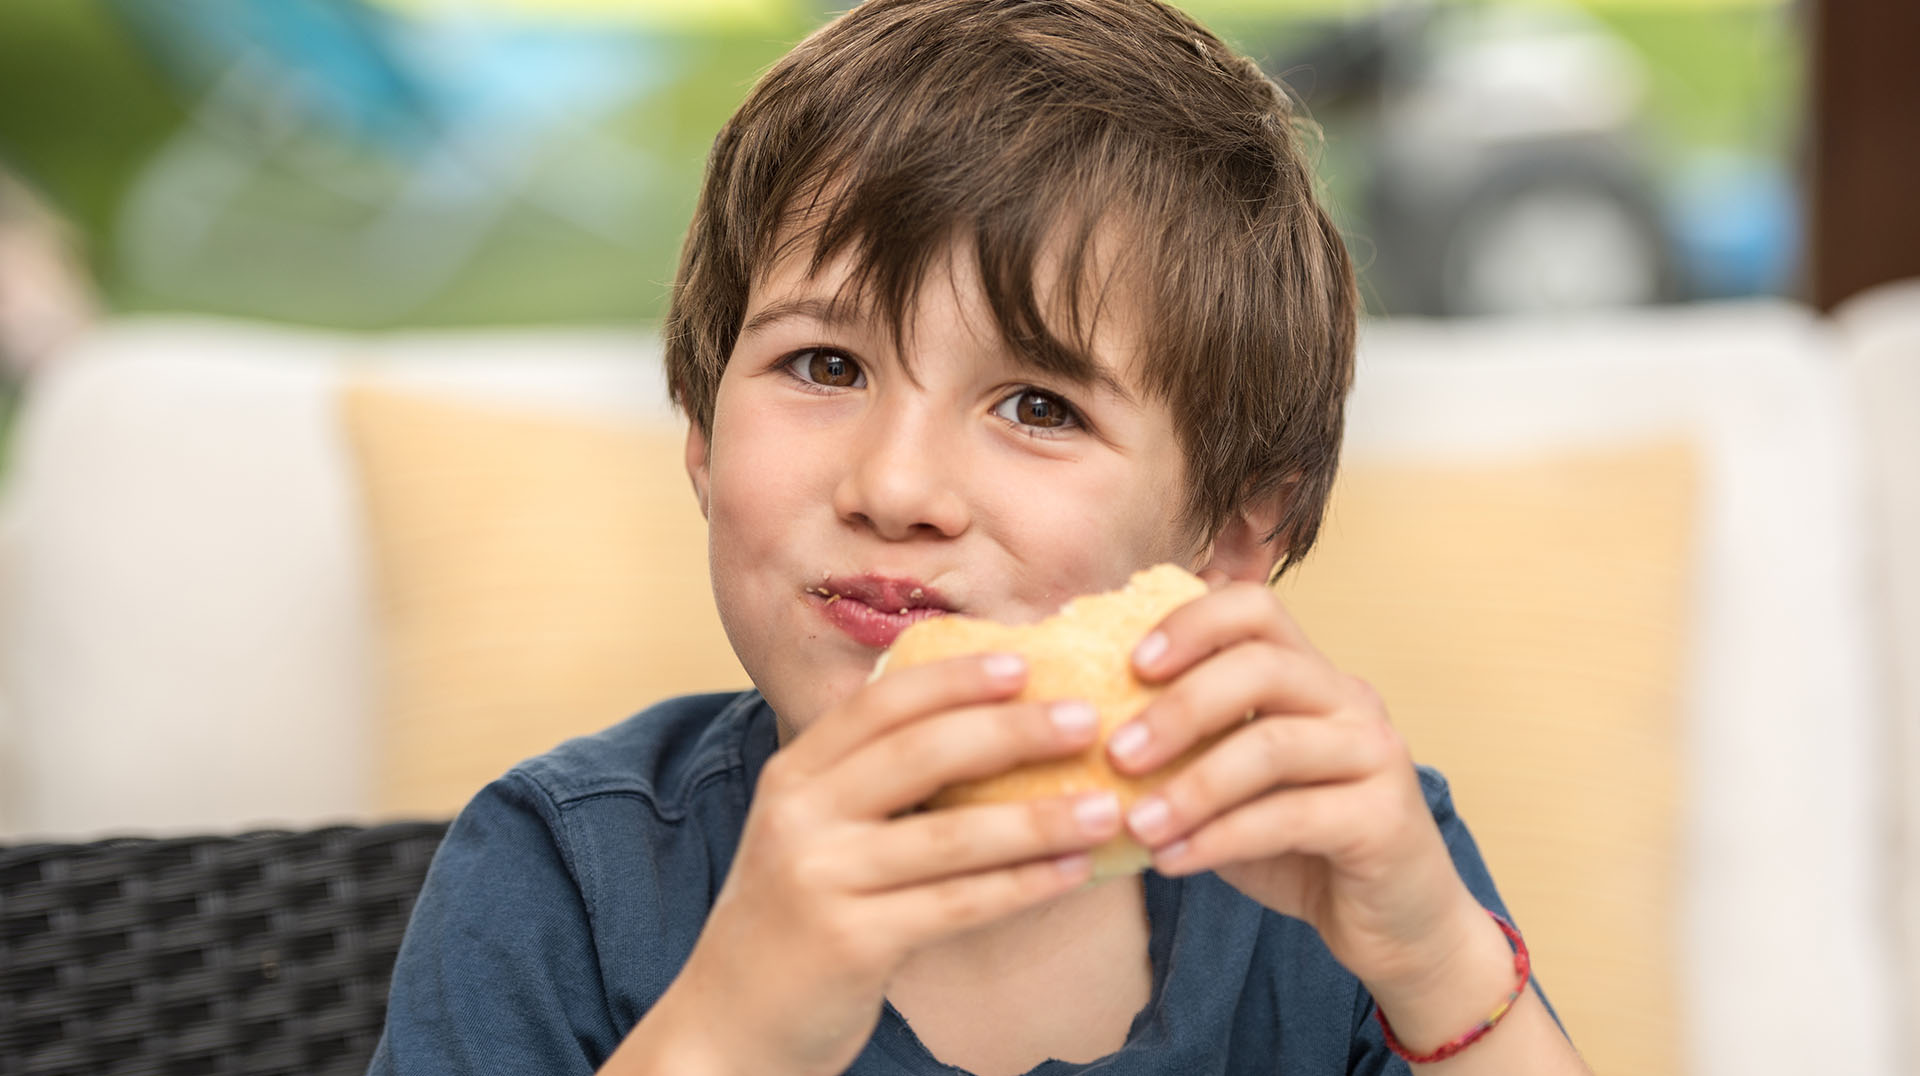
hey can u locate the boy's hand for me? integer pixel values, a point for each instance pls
(834, 884)
(1311, 805)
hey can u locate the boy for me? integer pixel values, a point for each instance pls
(987, 303)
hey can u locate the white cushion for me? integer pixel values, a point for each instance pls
(185, 630)
(1881, 331)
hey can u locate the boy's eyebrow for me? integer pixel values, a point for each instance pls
(835, 314)
(1095, 374)
(814, 308)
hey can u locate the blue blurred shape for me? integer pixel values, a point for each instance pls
(331, 59)
(1736, 222)
(342, 153)
(388, 80)
(484, 70)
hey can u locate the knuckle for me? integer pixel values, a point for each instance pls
(946, 839)
(952, 676)
(1029, 732)
(1390, 801)
(1186, 794)
(1052, 823)
(913, 750)
(1255, 599)
(1274, 741)
(968, 677)
(1037, 881)
(818, 867)
(776, 777)
(1030, 726)
(1202, 842)
(959, 903)
(852, 943)
(810, 872)
(1368, 695)
(1304, 813)
(782, 818)
(1173, 711)
(1387, 747)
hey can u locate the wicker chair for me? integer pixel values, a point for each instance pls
(258, 954)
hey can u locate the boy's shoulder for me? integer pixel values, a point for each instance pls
(665, 754)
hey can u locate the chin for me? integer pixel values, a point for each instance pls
(801, 695)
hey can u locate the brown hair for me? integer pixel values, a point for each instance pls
(1019, 124)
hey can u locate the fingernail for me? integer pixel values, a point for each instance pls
(1004, 666)
(1170, 854)
(1073, 718)
(1129, 741)
(1148, 819)
(1077, 865)
(1150, 649)
(1096, 813)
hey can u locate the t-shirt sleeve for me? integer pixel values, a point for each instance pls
(497, 972)
(1370, 1056)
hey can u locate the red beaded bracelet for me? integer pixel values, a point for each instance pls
(1522, 970)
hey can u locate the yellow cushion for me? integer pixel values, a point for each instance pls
(1527, 626)
(538, 578)
(1527, 622)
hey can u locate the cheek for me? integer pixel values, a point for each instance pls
(749, 507)
(1138, 504)
(748, 470)
(1089, 530)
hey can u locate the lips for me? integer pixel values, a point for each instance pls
(873, 610)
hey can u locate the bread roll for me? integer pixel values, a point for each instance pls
(1083, 652)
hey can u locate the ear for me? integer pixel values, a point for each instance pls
(697, 452)
(1242, 549)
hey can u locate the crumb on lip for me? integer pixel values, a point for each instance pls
(916, 594)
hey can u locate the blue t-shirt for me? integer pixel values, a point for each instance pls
(569, 893)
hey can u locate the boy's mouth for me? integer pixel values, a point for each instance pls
(873, 610)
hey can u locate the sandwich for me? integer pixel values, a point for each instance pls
(1083, 652)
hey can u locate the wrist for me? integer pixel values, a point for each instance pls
(695, 1029)
(669, 1041)
(1470, 972)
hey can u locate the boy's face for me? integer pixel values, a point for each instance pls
(844, 482)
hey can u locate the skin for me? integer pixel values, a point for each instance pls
(950, 465)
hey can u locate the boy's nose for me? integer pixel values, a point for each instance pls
(902, 484)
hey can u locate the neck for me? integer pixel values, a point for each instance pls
(1051, 935)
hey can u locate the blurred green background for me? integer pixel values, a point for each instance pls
(205, 168)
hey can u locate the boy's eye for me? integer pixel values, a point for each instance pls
(829, 369)
(1038, 410)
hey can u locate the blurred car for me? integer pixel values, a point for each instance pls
(1502, 166)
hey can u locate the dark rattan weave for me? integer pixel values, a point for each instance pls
(259, 954)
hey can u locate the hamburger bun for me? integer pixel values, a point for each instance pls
(1083, 652)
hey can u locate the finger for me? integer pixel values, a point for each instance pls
(1218, 693)
(906, 765)
(966, 840)
(1216, 620)
(1334, 821)
(901, 696)
(1264, 755)
(928, 913)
